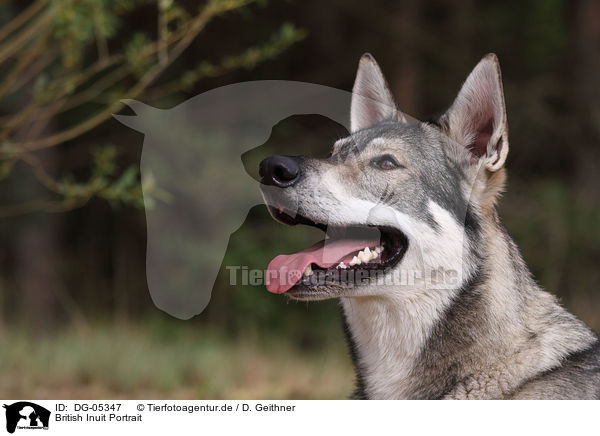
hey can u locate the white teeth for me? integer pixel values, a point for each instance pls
(364, 256)
(308, 271)
(342, 265)
(355, 261)
(367, 255)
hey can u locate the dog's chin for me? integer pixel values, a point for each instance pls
(309, 289)
(301, 292)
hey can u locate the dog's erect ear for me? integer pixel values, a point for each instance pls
(477, 118)
(372, 99)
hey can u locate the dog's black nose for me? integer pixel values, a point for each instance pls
(282, 171)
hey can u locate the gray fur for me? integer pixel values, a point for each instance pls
(493, 334)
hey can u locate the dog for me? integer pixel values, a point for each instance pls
(436, 299)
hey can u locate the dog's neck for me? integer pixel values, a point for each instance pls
(428, 344)
(387, 337)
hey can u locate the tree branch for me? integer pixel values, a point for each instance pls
(212, 9)
(22, 18)
(32, 31)
(25, 60)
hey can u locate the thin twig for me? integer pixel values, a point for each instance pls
(40, 172)
(98, 88)
(30, 206)
(23, 17)
(32, 31)
(38, 125)
(15, 120)
(25, 60)
(33, 72)
(70, 102)
(162, 35)
(101, 42)
(231, 63)
(80, 77)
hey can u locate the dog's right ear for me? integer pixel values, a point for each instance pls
(477, 118)
(372, 100)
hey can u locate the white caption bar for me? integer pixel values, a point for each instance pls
(284, 418)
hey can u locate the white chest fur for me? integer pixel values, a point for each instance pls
(390, 333)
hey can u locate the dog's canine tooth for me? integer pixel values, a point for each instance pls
(342, 265)
(308, 271)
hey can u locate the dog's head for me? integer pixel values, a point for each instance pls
(401, 201)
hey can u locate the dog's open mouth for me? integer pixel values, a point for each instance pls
(347, 257)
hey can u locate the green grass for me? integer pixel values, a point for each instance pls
(147, 360)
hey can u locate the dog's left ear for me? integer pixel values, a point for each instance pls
(477, 118)
(372, 100)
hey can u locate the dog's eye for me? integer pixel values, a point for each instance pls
(385, 163)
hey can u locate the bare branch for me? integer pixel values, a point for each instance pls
(25, 60)
(145, 62)
(22, 18)
(162, 34)
(32, 72)
(251, 56)
(40, 204)
(213, 8)
(101, 42)
(32, 31)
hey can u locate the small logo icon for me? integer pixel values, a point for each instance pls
(26, 415)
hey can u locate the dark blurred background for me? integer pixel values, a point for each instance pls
(72, 254)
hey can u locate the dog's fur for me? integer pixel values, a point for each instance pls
(491, 332)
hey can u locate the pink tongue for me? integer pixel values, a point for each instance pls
(286, 269)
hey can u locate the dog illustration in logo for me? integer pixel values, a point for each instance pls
(27, 415)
